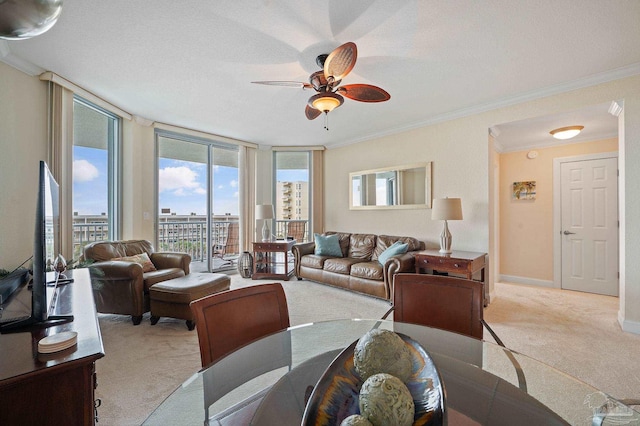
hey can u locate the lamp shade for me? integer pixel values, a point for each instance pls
(264, 211)
(326, 101)
(446, 209)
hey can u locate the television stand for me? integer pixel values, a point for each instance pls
(47, 389)
(30, 323)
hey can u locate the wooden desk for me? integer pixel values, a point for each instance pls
(273, 259)
(58, 388)
(458, 262)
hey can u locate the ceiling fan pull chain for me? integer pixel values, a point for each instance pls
(326, 121)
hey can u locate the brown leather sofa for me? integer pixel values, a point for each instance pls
(121, 287)
(358, 269)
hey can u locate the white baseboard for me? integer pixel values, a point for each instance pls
(525, 280)
(627, 325)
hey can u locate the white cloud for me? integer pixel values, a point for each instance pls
(179, 179)
(84, 171)
(233, 183)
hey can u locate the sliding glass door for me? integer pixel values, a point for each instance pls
(292, 198)
(95, 192)
(197, 194)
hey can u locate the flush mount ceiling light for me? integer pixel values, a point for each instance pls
(22, 19)
(566, 132)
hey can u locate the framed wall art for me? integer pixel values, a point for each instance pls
(525, 190)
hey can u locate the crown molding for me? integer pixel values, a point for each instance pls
(592, 80)
(20, 64)
(615, 108)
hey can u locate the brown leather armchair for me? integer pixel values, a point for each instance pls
(121, 286)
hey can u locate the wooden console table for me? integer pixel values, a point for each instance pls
(273, 259)
(458, 262)
(57, 388)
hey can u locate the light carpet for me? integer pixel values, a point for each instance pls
(144, 364)
(574, 332)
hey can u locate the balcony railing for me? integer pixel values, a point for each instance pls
(188, 237)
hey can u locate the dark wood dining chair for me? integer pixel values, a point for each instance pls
(226, 322)
(231, 319)
(452, 304)
(449, 303)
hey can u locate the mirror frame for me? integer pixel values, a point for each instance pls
(426, 205)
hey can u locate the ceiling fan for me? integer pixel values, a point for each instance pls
(335, 66)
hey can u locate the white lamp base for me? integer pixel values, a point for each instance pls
(266, 233)
(445, 240)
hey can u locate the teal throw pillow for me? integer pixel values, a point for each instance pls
(392, 250)
(327, 245)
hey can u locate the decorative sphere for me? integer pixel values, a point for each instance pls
(386, 401)
(356, 420)
(382, 351)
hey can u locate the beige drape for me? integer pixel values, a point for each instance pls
(60, 159)
(247, 181)
(317, 192)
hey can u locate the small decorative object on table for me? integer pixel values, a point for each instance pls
(245, 265)
(60, 265)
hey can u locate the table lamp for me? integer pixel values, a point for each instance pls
(265, 212)
(446, 209)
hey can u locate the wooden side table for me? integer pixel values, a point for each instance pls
(458, 262)
(273, 259)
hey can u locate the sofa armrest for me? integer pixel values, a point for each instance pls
(167, 260)
(304, 248)
(399, 263)
(300, 250)
(115, 270)
(118, 287)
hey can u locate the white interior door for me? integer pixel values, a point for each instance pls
(590, 226)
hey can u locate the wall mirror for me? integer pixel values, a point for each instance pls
(401, 187)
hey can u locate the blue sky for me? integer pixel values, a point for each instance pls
(182, 184)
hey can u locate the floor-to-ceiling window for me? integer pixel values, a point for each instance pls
(197, 193)
(291, 195)
(96, 136)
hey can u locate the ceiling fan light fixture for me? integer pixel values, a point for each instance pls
(326, 101)
(566, 132)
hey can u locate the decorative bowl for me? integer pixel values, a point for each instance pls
(335, 396)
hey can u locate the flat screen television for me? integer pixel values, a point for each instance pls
(46, 243)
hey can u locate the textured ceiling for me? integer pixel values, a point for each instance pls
(190, 63)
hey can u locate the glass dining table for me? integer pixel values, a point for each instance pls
(269, 382)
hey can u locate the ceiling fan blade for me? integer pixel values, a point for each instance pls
(311, 112)
(340, 62)
(294, 84)
(364, 93)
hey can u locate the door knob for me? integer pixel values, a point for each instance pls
(568, 233)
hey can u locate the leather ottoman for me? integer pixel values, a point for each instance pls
(171, 298)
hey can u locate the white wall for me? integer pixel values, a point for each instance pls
(23, 137)
(459, 169)
(459, 150)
